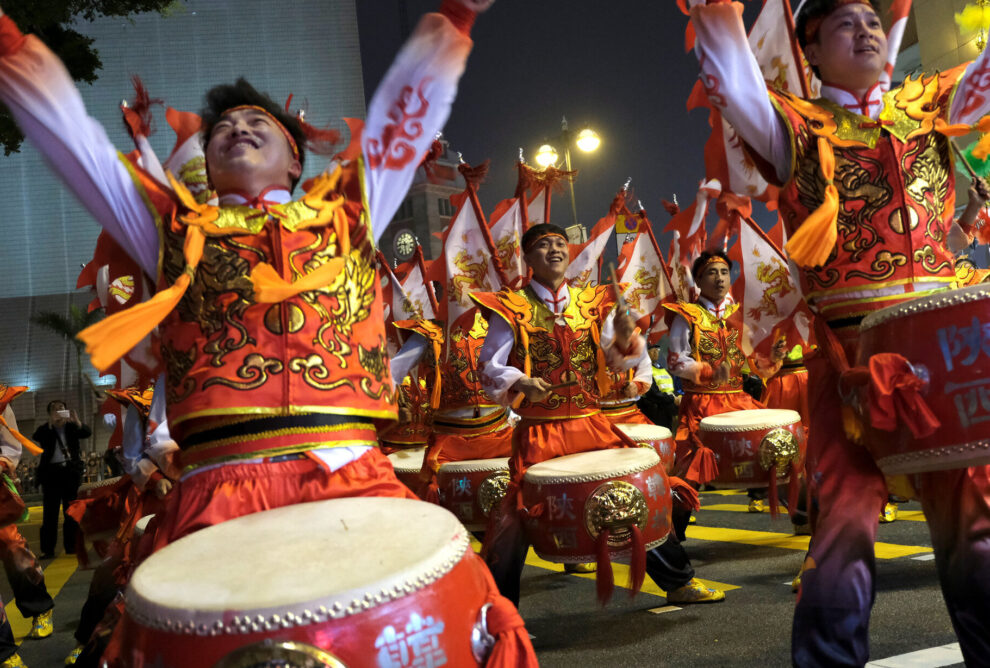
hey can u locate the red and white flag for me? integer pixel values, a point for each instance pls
(536, 207)
(899, 11)
(689, 223)
(507, 229)
(469, 257)
(773, 42)
(771, 302)
(585, 264)
(415, 288)
(396, 305)
(648, 281)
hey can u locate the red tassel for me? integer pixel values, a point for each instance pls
(604, 582)
(474, 175)
(637, 562)
(773, 497)
(137, 114)
(671, 208)
(81, 555)
(433, 492)
(321, 141)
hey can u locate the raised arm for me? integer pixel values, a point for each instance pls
(412, 104)
(734, 83)
(49, 110)
(408, 357)
(680, 363)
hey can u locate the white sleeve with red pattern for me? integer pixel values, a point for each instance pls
(409, 107)
(49, 110)
(620, 360)
(735, 86)
(972, 98)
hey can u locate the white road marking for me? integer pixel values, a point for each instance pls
(663, 609)
(924, 557)
(934, 657)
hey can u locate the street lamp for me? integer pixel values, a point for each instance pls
(587, 140)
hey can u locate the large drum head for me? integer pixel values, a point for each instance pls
(644, 432)
(759, 418)
(594, 465)
(295, 565)
(476, 465)
(408, 461)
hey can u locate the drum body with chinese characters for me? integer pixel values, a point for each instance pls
(748, 444)
(349, 582)
(472, 487)
(945, 337)
(576, 499)
(407, 465)
(652, 436)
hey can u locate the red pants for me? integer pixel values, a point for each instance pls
(831, 621)
(235, 490)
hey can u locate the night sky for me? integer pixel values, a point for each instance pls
(618, 66)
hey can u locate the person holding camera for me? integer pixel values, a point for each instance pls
(60, 470)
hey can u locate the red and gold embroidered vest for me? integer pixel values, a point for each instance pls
(564, 351)
(896, 197)
(414, 395)
(714, 340)
(454, 363)
(320, 351)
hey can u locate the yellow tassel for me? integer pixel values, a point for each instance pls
(852, 425)
(973, 17)
(814, 240)
(112, 338)
(270, 288)
(437, 377)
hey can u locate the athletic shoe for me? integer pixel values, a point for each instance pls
(889, 513)
(579, 568)
(13, 661)
(757, 506)
(43, 625)
(73, 656)
(695, 592)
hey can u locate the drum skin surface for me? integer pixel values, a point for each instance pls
(571, 499)
(946, 339)
(368, 580)
(747, 443)
(652, 436)
(471, 488)
(407, 464)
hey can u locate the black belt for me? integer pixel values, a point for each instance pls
(265, 424)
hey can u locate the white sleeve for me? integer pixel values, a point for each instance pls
(735, 85)
(680, 363)
(408, 357)
(135, 463)
(497, 376)
(409, 107)
(10, 447)
(644, 370)
(49, 110)
(159, 445)
(972, 99)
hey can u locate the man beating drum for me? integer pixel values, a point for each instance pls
(545, 353)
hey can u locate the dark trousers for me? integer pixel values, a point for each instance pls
(59, 488)
(7, 645)
(24, 574)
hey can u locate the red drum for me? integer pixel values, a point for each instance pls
(945, 337)
(347, 582)
(407, 464)
(472, 487)
(747, 443)
(573, 499)
(652, 436)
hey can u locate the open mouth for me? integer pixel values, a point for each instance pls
(555, 258)
(243, 141)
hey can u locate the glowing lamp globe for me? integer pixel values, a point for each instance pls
(546, 156)
(588, 140)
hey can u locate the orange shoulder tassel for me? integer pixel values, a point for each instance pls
(814, 240)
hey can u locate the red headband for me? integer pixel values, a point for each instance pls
(537, 240)
(812, 26)
(285, 131)
(712, 260)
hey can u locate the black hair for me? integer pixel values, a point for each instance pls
(227, 96)
(537, 231)
(703, 259)
(818, 9)
(52, 403)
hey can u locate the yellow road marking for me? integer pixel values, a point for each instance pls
(620, 574)
(910, 515)
(790, 542)
(56, 575)
(725, 492)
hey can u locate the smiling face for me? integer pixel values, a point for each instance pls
(549, 258)
(247, 152)
(850, 49)
(713, 282)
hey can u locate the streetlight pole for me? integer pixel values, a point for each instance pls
(565, 137)
(587, 141)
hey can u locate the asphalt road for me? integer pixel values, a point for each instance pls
(750, 555)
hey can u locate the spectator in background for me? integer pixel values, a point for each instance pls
(60, 470)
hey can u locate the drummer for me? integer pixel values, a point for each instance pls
(704, 353)
(858, 253)
(467, 423)
(546, 353)
(620, 404)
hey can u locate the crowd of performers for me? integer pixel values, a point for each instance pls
(258, 317)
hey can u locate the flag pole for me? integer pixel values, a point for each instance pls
(795, 48)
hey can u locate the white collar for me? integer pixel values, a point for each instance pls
(870, 105)
(274, 195)
(556, 303)
(717, 310)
